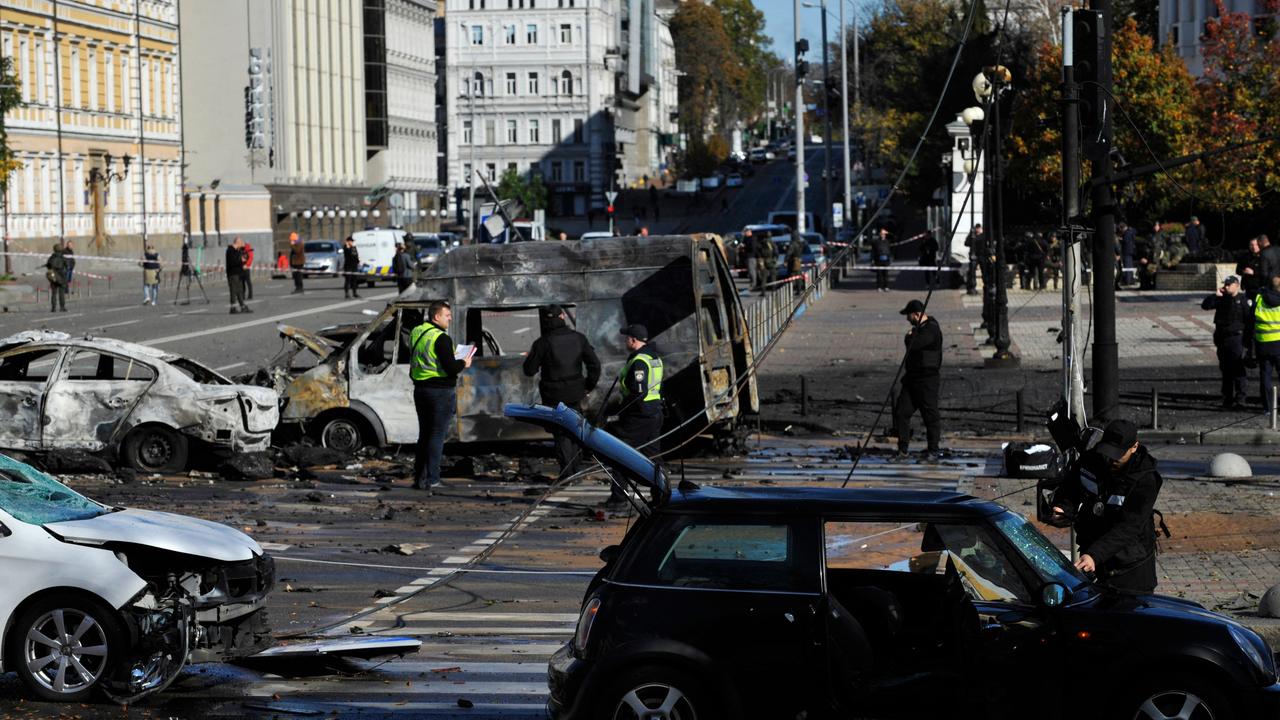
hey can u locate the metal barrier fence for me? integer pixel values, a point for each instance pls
(768, 314)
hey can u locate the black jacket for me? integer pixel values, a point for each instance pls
(560, 357)
(1270, 264)
(1193, 236)
(1123, 536)
(881, 250)
(350, 258)
(977, 244)
(1249, 282)
(924, 350)
(235, 261)
(1231, 315)
(929, 250)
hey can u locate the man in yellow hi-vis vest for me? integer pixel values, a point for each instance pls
(1266, 335)
(639, 422)
(434, 370)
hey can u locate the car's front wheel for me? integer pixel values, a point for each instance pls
(64, 646)
(342, 433)
(1178, 696)
(656, 692)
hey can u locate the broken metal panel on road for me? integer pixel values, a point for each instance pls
(679, 287)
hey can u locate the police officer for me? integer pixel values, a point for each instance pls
(639, 411)
(881, 256)
(350, 266)
(1266, 335)
(1232, 313)
(766, 260)
(560, 356)
(977, 244)
(1110, 497)
(920, 381)
(434, 369)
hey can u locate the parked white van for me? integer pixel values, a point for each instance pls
(377, 248)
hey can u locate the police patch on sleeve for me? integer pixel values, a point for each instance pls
(639, 375)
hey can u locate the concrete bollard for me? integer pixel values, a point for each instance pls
(1229, 465)
(1269, 606)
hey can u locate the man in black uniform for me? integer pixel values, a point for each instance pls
(350, 266)
(1249, 268)
(1232, 314)
(882, 256)
(639, 411)
(977, 244)
(1110, 497)
(561, 355)
(920, 381)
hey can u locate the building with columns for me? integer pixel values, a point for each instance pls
(99, 136)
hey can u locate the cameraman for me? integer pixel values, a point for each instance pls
(1110, 497)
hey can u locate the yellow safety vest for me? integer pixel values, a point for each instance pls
(424, 365)
(654, 367)
(1266, 322)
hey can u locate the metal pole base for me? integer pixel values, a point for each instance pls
(1002, 359)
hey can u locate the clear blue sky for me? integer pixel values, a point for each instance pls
(778, 16)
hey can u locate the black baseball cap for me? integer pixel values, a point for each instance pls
(637, 331)
(1117, 438)
(915, 306)
(550, 312)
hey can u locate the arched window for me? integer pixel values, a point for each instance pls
(477, 84)
(566, 83)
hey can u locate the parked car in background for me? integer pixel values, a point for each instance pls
(875, 603)
(119, 600)
(815, 253)
(595, 235)
(324, 257)
(427, 249)
(145, 406)
(710, 182)
(761, 155)
(733, 180)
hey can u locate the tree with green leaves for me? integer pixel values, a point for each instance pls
(744, 28)
(10, 98)
(531, 194)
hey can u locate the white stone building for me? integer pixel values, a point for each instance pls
(1182, 23)
(547, 87)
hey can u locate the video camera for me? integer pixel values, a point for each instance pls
(1072, 441)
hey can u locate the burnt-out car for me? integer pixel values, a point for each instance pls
(770, 602)
(346, 386)
(119, 600)
(144, 406)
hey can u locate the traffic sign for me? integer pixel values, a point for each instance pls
(611, 196)
(837, 214)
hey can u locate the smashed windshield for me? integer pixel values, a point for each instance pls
(1047, 560)
(33, 497)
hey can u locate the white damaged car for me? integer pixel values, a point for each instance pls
(96, 597)
(144, 406)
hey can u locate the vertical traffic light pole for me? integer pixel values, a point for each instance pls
(1072, 355)
(827, 210)
(801, 47)
(1106, 362)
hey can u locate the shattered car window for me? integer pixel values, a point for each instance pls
(198, 372)
(1047, 560)
(35, 498)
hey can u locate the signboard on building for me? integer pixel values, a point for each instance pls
(259, 112)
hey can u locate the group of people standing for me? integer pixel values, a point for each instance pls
(568, 370)
(1246, 322)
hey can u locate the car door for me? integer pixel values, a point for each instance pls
(91, 396)
(378, 368)
(742, 591)
(24, 376)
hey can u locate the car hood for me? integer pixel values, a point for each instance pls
(320, 346)
(162, 531)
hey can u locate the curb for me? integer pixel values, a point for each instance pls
(1227, 436)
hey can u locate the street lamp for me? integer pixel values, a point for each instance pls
(827, 209)
(988, 86)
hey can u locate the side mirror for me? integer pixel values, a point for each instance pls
(1053, 595)
(609, 554)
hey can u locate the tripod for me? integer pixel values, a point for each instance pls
(189, 273)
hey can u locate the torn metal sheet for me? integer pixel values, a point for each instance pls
(96, 394)
(362, 648)
(680, 287)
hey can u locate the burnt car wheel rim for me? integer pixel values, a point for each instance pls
(1174, 705)
(655, 701)
(66, 650)
(155, 450)
(342, 435)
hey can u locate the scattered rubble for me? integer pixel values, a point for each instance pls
(310, 456)
(248, 466)
(62, 462)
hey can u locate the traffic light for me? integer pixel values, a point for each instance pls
(609, 209)
(802, 67)
(1089, 42)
